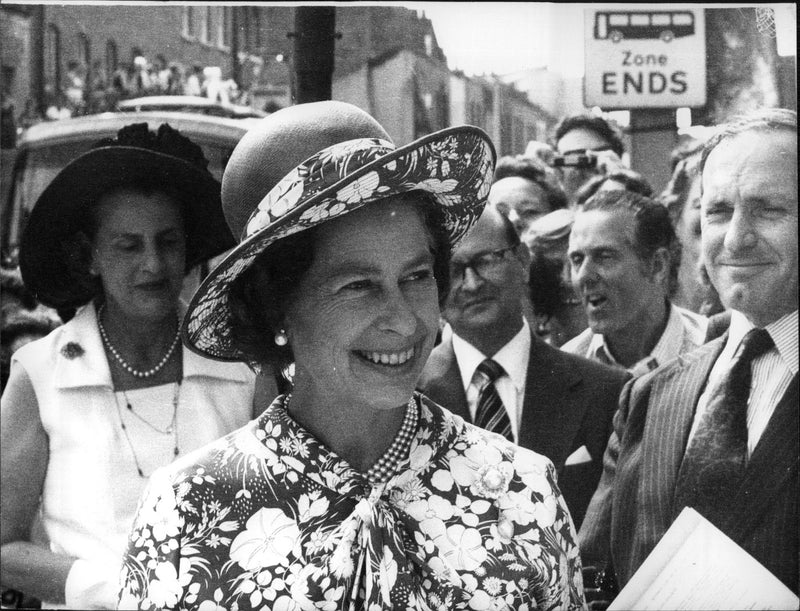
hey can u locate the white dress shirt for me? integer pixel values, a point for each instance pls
(772, 372)
(513, 358)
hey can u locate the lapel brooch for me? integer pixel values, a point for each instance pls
(72, 350)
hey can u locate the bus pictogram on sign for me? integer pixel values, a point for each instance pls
(662, 25)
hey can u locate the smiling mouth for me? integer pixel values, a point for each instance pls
(387, 358)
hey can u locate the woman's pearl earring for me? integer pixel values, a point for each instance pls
(280, 338)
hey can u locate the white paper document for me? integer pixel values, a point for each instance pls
(697, 566)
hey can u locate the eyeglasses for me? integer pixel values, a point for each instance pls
(485, 265)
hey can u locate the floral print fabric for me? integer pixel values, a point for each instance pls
(269, 518)
(454, 166)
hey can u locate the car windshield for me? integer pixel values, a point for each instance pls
(38, 166)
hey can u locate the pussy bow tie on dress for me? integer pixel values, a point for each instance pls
(378, 560)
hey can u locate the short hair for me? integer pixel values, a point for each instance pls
(259, 296)
(535, 171)
(653, 228)
(765, 119)
(632, 181)
(599, 125)
(545, 285)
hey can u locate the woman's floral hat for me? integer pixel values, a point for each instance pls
(311, 163)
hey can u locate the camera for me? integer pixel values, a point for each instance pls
(575, 160)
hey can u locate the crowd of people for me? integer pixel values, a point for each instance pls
(90, 90)
(424, 377)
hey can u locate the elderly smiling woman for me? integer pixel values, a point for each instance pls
(352, 491)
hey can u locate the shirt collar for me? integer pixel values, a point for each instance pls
(671, 340)
(513, 357)
(668, 346)
(91, 367)
(782, 331)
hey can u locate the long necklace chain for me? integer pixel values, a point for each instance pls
(123, 362)
(171, 429)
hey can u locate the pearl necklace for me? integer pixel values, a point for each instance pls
(123, 362)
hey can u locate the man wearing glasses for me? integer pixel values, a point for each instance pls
(492, 370)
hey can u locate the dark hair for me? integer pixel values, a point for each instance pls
(632, 181)
(258, 297)
(537, 173)
(766, 119)
(545, 284)
(652, 226)
(599, 125)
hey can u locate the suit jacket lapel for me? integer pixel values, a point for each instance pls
(546, 421)
(774, 461)
(666, 432)
(441, 380)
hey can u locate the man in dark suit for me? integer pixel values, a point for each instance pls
(554, 403)
(717, 429)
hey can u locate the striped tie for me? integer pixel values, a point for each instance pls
(491, 413)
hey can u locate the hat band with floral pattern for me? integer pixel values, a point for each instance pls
(454, 166)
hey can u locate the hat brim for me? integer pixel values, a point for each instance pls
(455, 166)
(60, 211)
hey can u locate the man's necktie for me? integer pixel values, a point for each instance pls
(715, 460)
(491, 413)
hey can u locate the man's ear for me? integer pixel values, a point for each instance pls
(660, 264)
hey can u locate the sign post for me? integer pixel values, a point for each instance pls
(649, 62)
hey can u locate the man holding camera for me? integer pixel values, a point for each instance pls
(586, 146)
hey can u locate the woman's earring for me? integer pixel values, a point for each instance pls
(280, 338)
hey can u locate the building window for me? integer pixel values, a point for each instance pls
(428, 45)
(227, 26)
(518, 135)
(52, 59)
(204, 25)
(505, 135)
(187, 28)
(84, 50)
(488, 99)
(112, 57)
(252, 36)
(258, 41)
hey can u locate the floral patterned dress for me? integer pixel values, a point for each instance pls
(269, 518)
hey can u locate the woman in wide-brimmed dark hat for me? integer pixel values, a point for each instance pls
(353, 491)
(93, 408)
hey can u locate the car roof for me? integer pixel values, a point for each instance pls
(187, 103)
(205, 128)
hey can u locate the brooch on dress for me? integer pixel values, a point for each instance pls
(72, 350)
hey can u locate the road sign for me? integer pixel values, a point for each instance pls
(638, 58)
